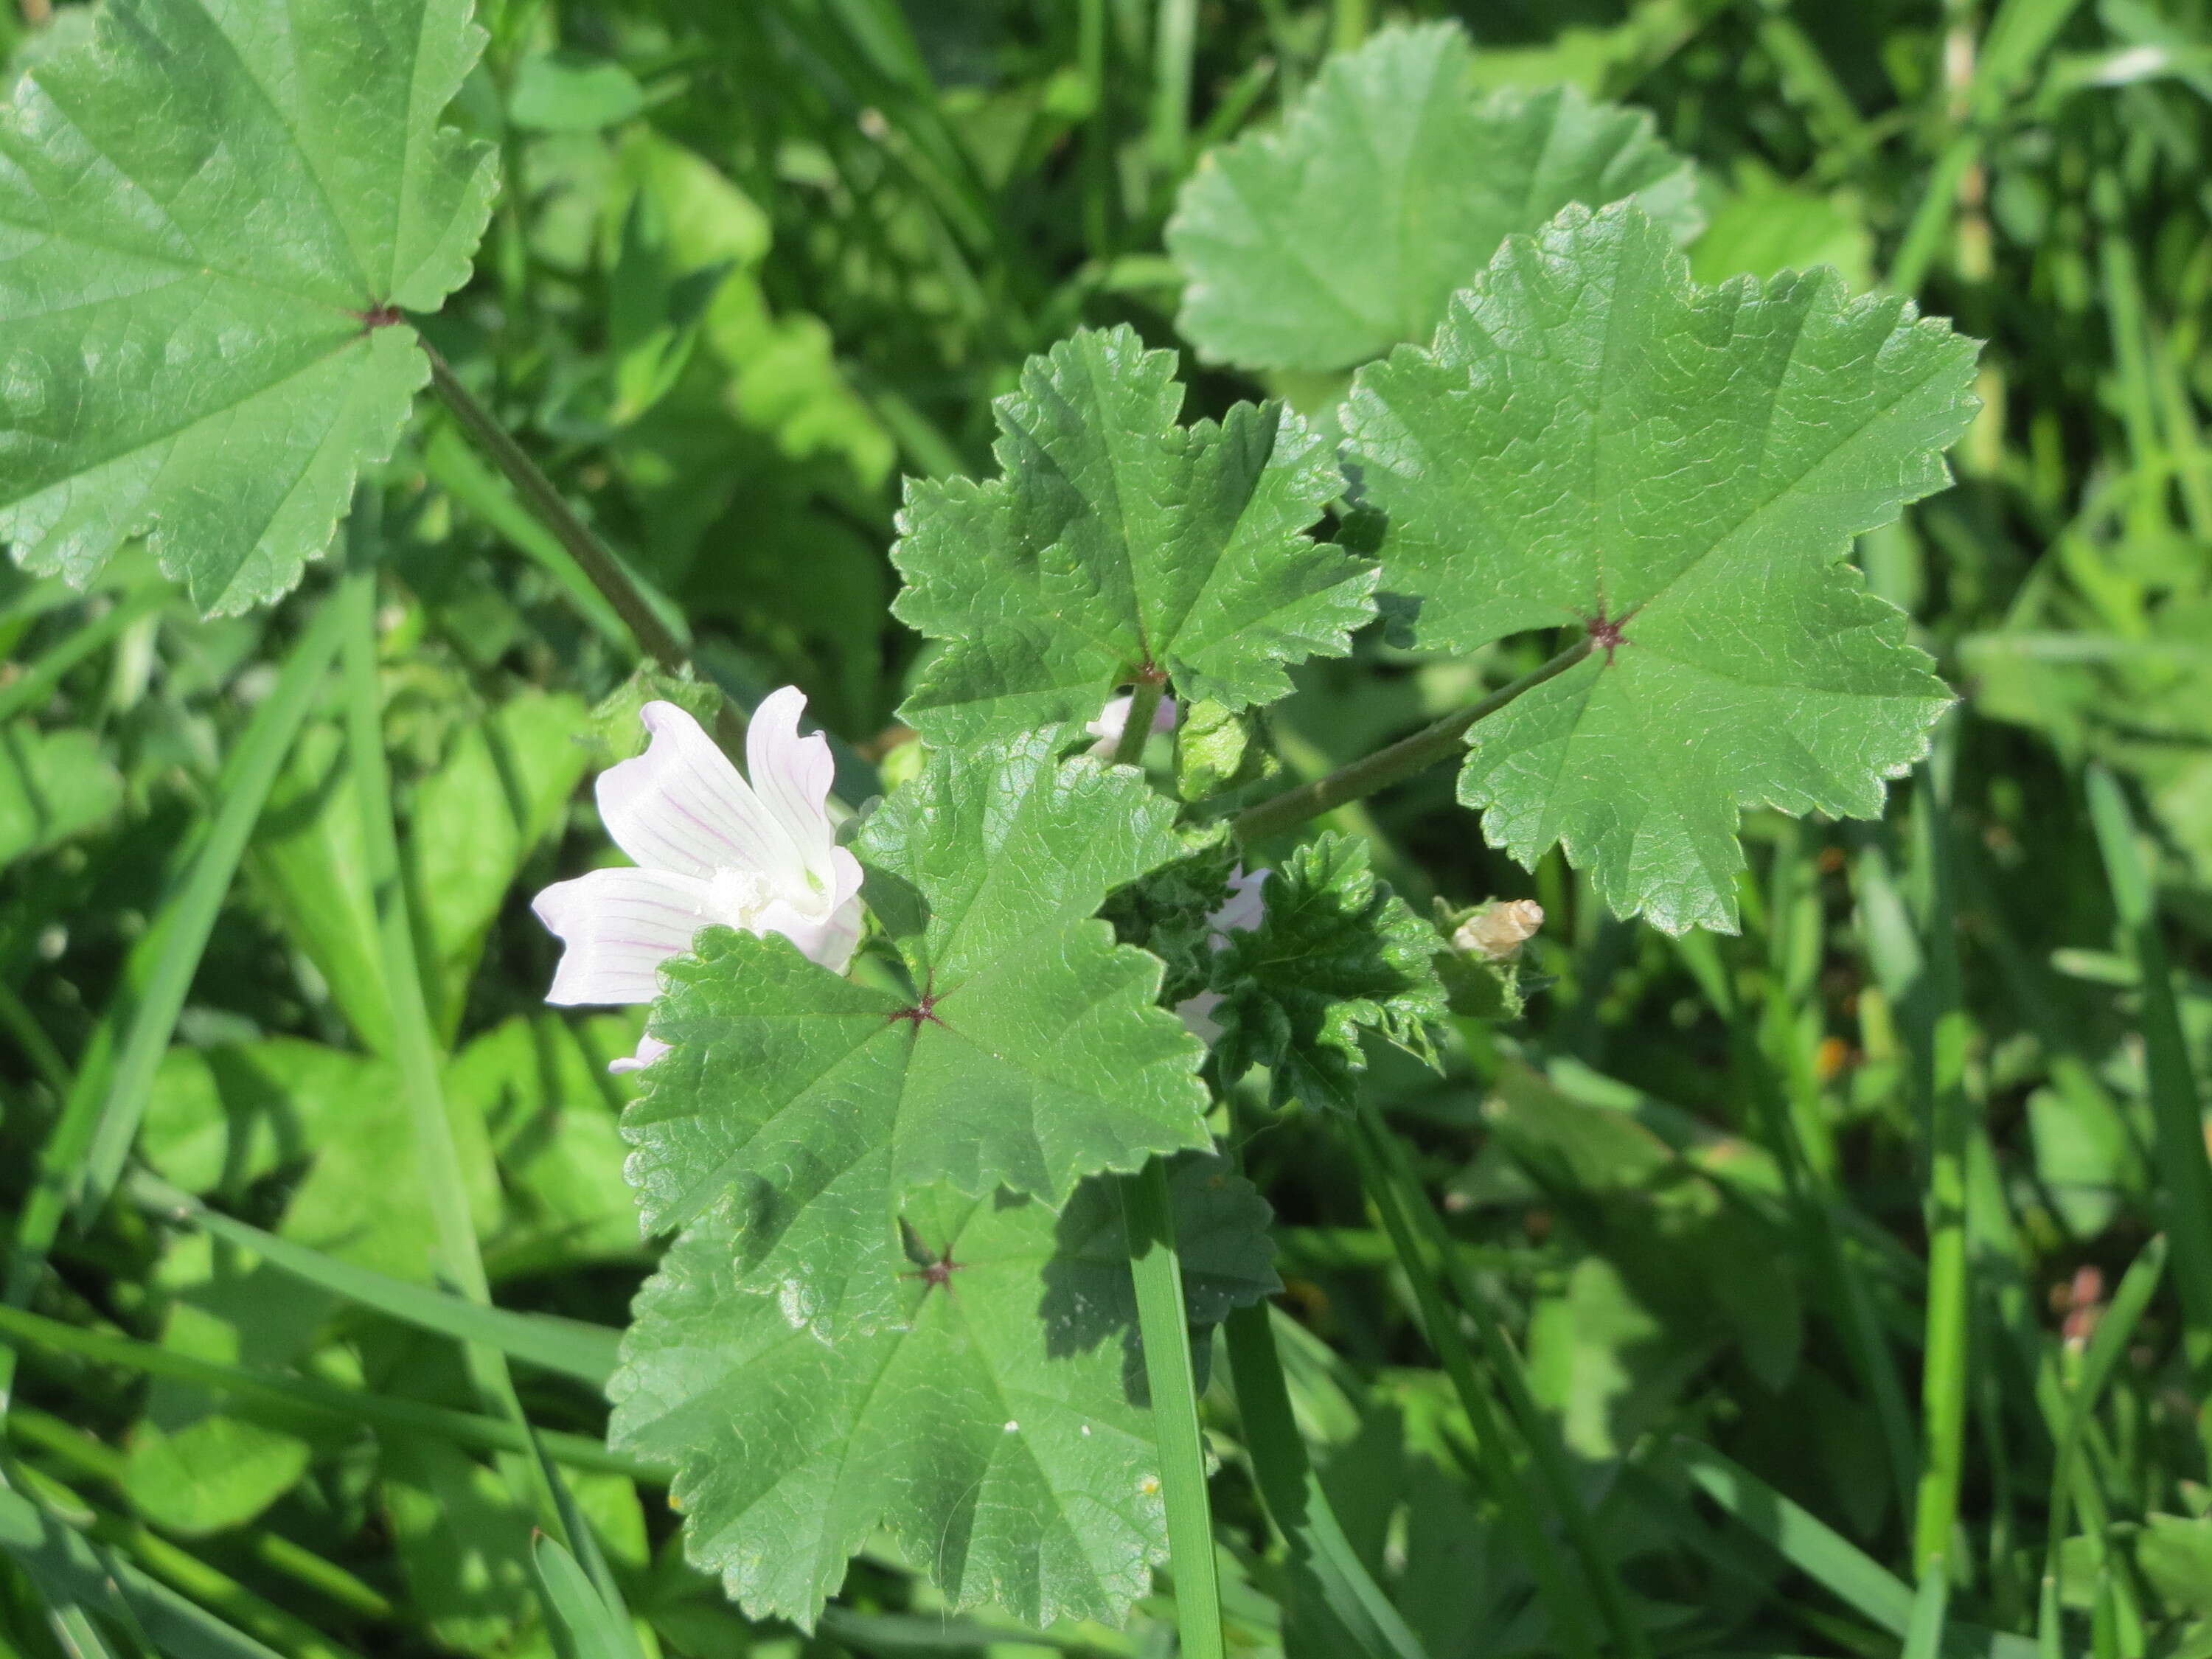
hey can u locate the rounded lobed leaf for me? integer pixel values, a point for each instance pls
(1336, 953)
(1323, 243)
(1118, 545)
(1027, 1055)
(996, 1424)
(1595, 442)
(212, 218)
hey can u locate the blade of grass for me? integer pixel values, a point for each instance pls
(576, 1536)
(2184, 1189)
(1165, 1325)
(1537, 1429)
(594, 1630)
(1294, 1498)
(1923, 1635)
(568, 1347)
(188, 920)
(37, 682)
(59, 1557)
(81, 1453)
(1826, 1556)
(2105, 1346)
(1175, 43)
(1539, 1551)
(414, 1040)
(109, 1093)
(217, 1592)
(281, 1391)
(1941, 1028)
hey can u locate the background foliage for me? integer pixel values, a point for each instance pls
(755, 263)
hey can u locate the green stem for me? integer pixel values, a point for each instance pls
(1137, 730)
(1539, 1551)
(1175, 41)
(1296, 1500)
(1098, 131)
(1941, 1030)
(1503, 1360)
(1164, 1326)
(47, 1060)
(596, 560)
(1439, 740)
(415, 1048)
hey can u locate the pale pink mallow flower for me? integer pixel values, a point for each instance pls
(1240, 913)
(710, 849)
(1113, 719)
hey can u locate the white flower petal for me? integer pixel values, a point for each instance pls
(1114, 720)
(792, 775)
(1242, 911)
(1197, 1015)
(827, 937)
(681, 807)
(619, 927)
(649, 1049)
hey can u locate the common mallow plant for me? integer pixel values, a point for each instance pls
(951, 1220)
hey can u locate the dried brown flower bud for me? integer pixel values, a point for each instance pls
(1497, 930)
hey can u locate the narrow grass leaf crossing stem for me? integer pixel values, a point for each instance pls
(1163, 1324)
(414, 1043)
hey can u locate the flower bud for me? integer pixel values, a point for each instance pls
(1497, 930)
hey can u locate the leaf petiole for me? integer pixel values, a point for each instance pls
(1439, 740)
(1137, 729)
(596, 560)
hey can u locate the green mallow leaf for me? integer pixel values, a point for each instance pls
(1595, 442)
(210, 218)
(1335, 954)
(996, 1426)
(1324, 243)
(1027, 1055)
(1119, 544)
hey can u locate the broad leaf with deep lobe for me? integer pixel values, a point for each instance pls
(1595, 442)
(1336, 954)
(1323, 243)
(1119, 544)
(210, 218)
(1027, 1055)
(996, 1425)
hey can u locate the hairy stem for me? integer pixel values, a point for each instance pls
(1165, 1325)
(596, 560)
(1137, 730)
(1438, 740)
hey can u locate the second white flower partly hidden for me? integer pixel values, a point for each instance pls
(711, 849)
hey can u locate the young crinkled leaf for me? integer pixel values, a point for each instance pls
(990, 1427)
(1321, 245)
(1336, 953)
(1028, 1055)
(212, 217)
(1118, 545)
(1595, 442)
